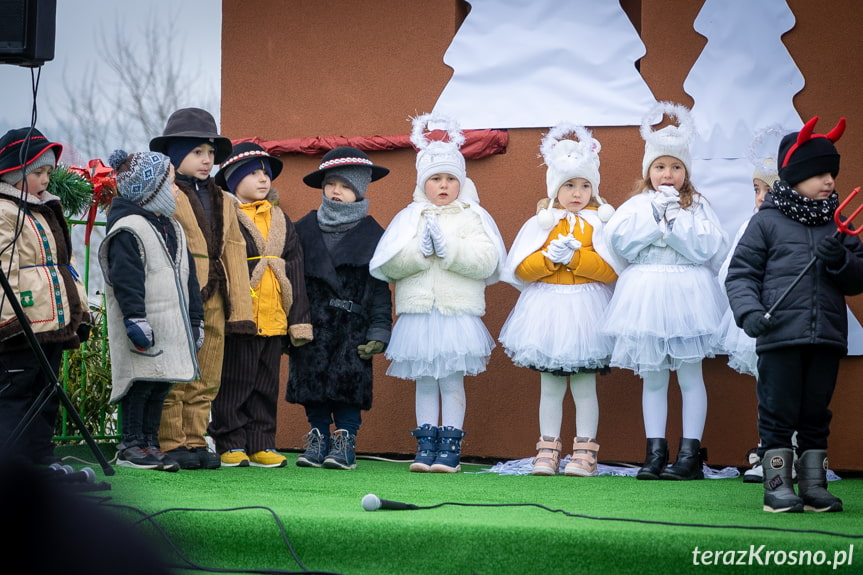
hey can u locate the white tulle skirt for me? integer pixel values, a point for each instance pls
(556, 328)
(662, 316)
(739, 347)
(436, 345)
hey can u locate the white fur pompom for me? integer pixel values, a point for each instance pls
(605, 211)
(545, 219)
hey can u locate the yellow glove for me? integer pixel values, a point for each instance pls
(370, 349)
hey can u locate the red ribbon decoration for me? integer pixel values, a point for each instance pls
(104, 190)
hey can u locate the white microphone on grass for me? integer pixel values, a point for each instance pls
(372, 502)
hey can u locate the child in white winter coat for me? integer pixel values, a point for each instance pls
(440, 252)
(559, 261)
(667, 304)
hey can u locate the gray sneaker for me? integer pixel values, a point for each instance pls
(342, 453)
(317, 447)
(136, 457)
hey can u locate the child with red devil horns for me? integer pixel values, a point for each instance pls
(800, 343)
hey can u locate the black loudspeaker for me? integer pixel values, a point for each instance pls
(27, 29)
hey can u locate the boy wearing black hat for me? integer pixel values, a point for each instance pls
(351, 311)
(154, 310)
(207, 215)
(36, 256)
(800, 343)
(244, 412)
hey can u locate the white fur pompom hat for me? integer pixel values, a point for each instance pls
(438, 156)
(674, 141)
(568, 158)
(762, 154)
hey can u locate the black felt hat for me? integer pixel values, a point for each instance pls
(243, 152)
(340, 157)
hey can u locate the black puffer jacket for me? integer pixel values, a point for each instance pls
(771, 253)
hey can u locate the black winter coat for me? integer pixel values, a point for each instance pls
(773, 250)
(329, 368)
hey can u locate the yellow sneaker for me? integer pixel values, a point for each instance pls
(235, 458)
(268, 458)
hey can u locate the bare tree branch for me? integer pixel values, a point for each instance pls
(127, 101)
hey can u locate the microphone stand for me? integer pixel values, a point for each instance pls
(55, 388)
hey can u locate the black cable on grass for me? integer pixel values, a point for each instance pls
(645, 521)
(191, 565)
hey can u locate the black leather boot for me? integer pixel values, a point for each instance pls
(655, 459)
(779, 496)
(812, 482)
(689, 462)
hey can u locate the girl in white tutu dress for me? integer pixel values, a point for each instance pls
(559, 262)
(667, 303)
(440, 252)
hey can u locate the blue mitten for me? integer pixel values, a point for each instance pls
(139, 332)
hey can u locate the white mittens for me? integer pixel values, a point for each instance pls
(426, 243)
(666, 203)
(438, 240)
(561, 249)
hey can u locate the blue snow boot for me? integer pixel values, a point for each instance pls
(448, 450)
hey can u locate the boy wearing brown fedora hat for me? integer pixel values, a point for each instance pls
(209, 221)
(36, 255)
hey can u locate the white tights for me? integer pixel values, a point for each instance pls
(553, 389)
(443, 398)
(654, 401)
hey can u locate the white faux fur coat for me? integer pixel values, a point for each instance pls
(454, 284)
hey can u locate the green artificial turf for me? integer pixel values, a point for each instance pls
(229, 519)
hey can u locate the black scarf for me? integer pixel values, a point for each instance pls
(801, 209)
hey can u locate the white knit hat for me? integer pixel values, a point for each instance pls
(671, 140)
(437, 156)
(568, 158)
(762, 154)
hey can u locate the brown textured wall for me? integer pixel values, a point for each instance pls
(344, 68)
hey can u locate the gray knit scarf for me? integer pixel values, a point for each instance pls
(801, 209)
(341, 216)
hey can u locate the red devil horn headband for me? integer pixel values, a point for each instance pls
(806, 134)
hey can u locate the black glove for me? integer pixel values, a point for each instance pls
(831, 251)
(755, 324)
(83, 332)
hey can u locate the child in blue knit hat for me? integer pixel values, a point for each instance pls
(244, 412)
(154, 309)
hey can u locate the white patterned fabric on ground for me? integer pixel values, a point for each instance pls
(525, 466)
